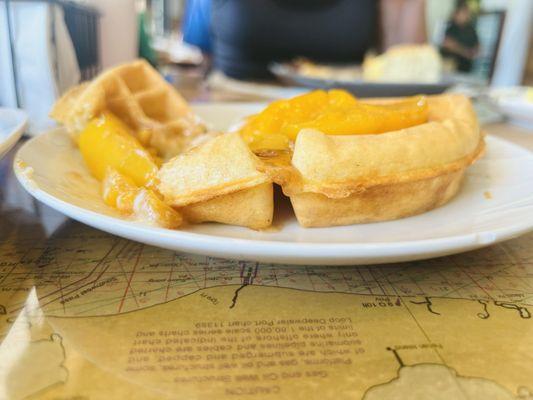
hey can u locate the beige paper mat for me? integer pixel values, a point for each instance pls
(86, 315)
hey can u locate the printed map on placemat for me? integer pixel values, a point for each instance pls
(108, 318)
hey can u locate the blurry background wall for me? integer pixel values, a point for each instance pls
(118, 30)
(512, 57)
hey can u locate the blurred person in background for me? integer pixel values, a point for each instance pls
(246, 36)
(197, 24)
(461, 43)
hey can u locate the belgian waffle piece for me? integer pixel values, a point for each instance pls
(219, 181)
(138, 95)
(353, 179)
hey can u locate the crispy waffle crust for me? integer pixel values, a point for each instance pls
(340, 180)
(219, 181)
(140, 97)
(252, 207)
(377, 203)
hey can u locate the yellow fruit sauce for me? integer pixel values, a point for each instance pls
(126, 169)
(106, 142)
(335, 112)
(118, 190)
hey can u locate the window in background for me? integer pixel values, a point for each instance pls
(528, 75)
(489, 28)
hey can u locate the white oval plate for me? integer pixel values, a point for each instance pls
(12, 124)
(494, 204)
(514, 102)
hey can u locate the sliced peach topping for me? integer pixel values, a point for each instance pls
(335, 112)
(120, 192)
(126, 169)
(107, 142)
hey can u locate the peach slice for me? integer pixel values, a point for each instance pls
(107, 142)
(336, 112)
(120, 192)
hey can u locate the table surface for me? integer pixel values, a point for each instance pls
(85, 314)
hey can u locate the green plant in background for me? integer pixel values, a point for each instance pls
(146, 50)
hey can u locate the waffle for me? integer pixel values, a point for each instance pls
(343, 180)
(139, 96)
(219, 181)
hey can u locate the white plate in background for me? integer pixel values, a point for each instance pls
(516, 103)
(12, 124)
(494, 204)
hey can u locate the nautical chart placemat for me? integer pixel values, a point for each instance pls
(86, 315)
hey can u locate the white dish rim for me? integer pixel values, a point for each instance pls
(8, 141)
(294, 252)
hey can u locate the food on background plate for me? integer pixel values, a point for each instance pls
(339, 159)
(311, 69)
(404, 64)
